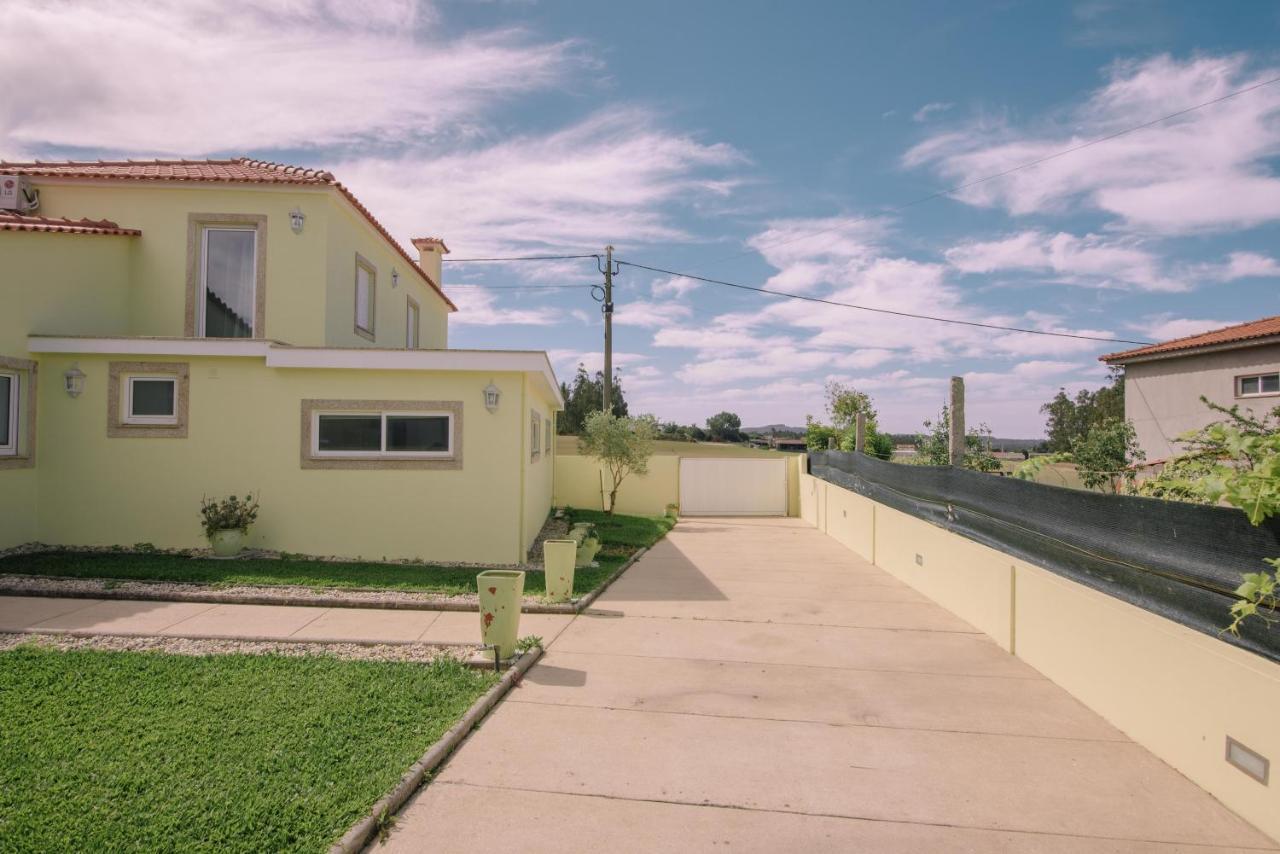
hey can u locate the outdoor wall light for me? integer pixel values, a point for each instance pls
(74, 380)
(491, 396)
(395, 279)
(296, 220)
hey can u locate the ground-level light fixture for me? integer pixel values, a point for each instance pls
(297, 219)
(492, 394)
(73, 380)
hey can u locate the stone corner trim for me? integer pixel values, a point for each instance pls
(451, 463)
(117, 429)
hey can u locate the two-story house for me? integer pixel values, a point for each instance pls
(177, 329)
(1163, 383)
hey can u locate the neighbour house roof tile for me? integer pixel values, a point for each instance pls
(1239, 334)
(430, 241)
(57, 225)
(241, 170)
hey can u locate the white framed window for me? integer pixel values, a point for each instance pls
(150, 400)
(535, 441)
(228, 282)
(1257, 385)
(10, 405)
(547, 426)
(376, 435)
(412, 324)
(366, 288)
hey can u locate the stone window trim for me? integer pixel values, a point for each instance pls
(196, 223)
(26, 456)
(364, 263)
(412, 313)
(116, 426)
(311, 406)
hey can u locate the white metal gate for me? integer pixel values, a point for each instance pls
(732, 487)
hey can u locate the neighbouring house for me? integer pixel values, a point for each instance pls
(1163, 383)
(177, 329)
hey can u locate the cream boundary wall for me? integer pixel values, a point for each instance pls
(1173, 690)
(96, 490)
(578, 479)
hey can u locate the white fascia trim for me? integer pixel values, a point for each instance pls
(242, 347)
(477, 361)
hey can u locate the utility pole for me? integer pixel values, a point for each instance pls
(607, 308)
(956, 428)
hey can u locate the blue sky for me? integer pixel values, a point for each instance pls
(762, 143)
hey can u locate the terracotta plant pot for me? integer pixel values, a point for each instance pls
(227, 543)
(501, 594)
(558, 560)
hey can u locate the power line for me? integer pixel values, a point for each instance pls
(520, 258)
(1029, 164)
(515, 287)
(808, 298)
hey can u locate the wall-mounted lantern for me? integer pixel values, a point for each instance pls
(395, 278)
(297, 219)
(491, 396)
(73, 380)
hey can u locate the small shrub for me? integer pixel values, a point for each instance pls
(228, 514)
(528, 643)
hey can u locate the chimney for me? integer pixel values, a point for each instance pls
(431, 251)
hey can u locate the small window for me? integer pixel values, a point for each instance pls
(151, 400)
(1258, 384)
(383, 434)
(412, 328)
(366, 297)
(8, 414)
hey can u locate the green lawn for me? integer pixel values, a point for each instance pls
(156, 752)
(621, 536)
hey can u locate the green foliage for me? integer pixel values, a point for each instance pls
(586, 396)
(1033, 466)
(1071, 419)
(673, 432)
(623, 445)
(113, 751)
(228, 514)
(817, 434)
(528, 643)
(933, 446)
(1103, 455)
(843, 405)
(725, 427)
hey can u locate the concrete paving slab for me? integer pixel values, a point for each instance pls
(780, 692)
(825, 646)
(23, 612)
(637, 600)
(367, 624)
(1009, 783)
(553, 823)
(464, 627)
(249, 621)
(126, 617)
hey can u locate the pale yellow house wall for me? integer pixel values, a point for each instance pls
(1177, 692)
(1162, 397)
(348, 233)
(245, 436)
(578, 478)
(53, 282)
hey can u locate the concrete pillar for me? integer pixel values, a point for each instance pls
(860, 433)
(956, 427)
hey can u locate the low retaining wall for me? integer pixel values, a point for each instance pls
(1176, 691)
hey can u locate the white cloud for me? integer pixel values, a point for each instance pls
(1090, 260)
(1164, 327)
(675, 286)
(929, 110)
(1240, 265)
(192, 77)
(1209, 169)
(478, 307)
(648, 314)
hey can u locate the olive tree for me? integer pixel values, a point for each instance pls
(622, 445)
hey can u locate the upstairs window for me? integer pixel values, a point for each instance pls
(366, 297)
(228, 282)
(412, 324)
(1256, 385)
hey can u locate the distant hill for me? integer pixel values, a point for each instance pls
(770, 428)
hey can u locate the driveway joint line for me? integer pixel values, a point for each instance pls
(789, 623)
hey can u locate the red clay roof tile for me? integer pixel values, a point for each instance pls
(56, 225)
(1263, 328)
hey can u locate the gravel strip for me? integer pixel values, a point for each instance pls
(418, 652)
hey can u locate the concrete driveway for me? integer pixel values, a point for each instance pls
(751, 685)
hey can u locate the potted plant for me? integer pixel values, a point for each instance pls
(588, 546)
(226, 522)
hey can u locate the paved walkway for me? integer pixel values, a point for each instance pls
(270, 622)
(750, 685)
